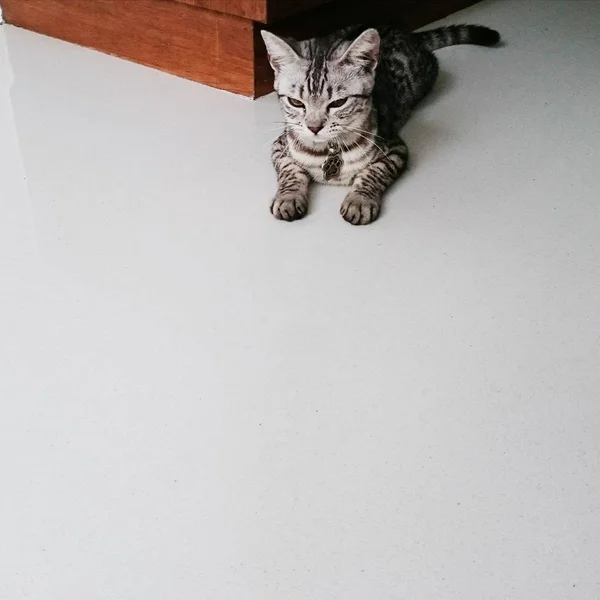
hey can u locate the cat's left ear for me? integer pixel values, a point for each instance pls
(280, 52)
(364, 50)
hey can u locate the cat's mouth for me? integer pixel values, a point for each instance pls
(320, 138)
(318, 141)
(315, 140)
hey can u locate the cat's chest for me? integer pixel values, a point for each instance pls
(345, 176)
(351, 164)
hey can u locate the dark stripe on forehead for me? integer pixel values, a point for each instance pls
(317, 71)
(323, 80)
(309, 55)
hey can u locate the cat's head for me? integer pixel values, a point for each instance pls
(325, 89)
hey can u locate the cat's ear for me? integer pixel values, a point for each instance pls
(364, 50)
(280, 52)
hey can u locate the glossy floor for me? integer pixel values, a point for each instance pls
(200, 402)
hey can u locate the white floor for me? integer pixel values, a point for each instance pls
(202, 403)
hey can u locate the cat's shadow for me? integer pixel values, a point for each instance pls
(443, 84)
(422, 132)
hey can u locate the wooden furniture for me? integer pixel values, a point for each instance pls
(215, 42)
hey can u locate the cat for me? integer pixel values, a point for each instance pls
(345, 97)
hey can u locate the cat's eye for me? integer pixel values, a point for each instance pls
(295, 103)
(338, 103)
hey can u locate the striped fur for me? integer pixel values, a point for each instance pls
(457, 34)
(352, 90)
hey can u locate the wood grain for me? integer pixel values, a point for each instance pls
(216, 42)
(264, 11)
(202, 45)
(263, 74)
(255, 10)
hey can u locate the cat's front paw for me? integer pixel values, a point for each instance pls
(360, 210)
(289, 207)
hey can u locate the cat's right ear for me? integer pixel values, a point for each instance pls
(280, 52)
(364, 50)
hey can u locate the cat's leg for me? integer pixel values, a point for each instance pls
(363, 203)
(291, 200)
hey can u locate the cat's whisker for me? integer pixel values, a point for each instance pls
(355, 143)
(268, 143)
(367, 131)
(367, 158)
(344, 144)
(369, 140)
(279, 134)
(273, 129)
(294, 141)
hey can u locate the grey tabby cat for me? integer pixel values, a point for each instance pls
(345, 98)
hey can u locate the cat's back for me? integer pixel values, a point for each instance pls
(405, 74)
(396, 44)
(393, 39)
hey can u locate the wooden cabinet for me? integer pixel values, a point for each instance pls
(262, 11)
(215, 42)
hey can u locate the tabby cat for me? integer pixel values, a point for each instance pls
(345, 98)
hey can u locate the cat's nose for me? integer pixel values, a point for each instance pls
(315, 129)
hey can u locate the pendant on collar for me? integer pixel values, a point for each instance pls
(333, 163)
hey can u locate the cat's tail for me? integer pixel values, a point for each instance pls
(434, 39)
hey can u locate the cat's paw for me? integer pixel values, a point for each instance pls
(360, 210)
(289, 207)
